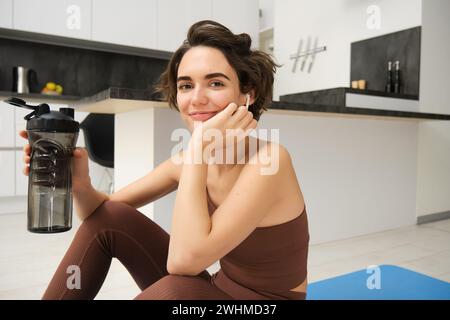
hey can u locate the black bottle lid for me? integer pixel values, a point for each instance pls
(42, 119)
(53, 121)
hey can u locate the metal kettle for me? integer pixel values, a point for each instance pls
(23, 78)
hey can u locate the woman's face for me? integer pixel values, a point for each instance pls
(206, 84)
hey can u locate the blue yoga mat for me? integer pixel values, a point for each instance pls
(384, 282)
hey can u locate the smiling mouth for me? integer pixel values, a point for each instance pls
(202, 116)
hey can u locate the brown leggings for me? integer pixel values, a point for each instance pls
(117, 230)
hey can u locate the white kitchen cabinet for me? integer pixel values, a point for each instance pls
(21, 179)
(7, 172)
(6, 10)
(69, 18)
(175, 17)
(239, 16)
(6, 125)
(151, 24)
(131, 23)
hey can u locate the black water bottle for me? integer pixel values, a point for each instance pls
(52, 136)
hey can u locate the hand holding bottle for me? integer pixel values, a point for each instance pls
(80, 168)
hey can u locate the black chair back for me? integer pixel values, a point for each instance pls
(98, 129)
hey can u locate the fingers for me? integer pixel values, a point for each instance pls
(247, 118)
(76, 152)
(243, 112)
(252, 125)
(231, 109)
(26, 170)
(240, 117)
(26, 158)
(23, 134)
(80, 152)
(238, 113)
(27, 149)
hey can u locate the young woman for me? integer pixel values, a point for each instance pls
(254, 223)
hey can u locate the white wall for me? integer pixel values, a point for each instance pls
(433, 187)
(134, 149)
(336, 23)
(143, 141)
(267, 9)
(167, 120)
(435, 50)
(358, 176)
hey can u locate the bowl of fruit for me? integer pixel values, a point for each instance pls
(52, 88)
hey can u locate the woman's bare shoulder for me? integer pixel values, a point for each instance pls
(289, 199)
(269, 153)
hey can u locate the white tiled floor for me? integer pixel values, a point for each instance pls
(27, 261)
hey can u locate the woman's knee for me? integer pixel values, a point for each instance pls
(108, 214)
(121, 217)
(116, 209)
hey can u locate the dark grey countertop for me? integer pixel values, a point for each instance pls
(333, 100)
(337, 95)
(39, 97)
(122, 93)
(148, 95)
(297, 106)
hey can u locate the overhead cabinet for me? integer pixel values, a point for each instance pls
(67, 18)
(149, 24)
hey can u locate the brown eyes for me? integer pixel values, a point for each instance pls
(217, 84)
(186, 86)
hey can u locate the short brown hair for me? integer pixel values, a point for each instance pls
(255, 69)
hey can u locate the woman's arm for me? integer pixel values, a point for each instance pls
(197, 240)
(157, 183)
(191, 223)
(87, 200)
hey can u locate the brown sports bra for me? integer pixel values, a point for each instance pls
(271, 260)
